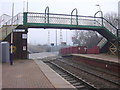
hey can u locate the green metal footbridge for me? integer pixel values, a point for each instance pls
(62, 21)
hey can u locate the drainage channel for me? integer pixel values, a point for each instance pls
(71, 78)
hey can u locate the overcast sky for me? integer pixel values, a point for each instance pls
(40, 36)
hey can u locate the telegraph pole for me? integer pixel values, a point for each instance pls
(66, 37)
(61, 36)
(48, 37)
(56, 37)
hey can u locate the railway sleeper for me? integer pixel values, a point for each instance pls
(76, 84)
(81, 86)
(69, 79)
(63, 75)
(73, 81)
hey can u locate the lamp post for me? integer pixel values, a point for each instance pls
(11, 51)
(23, 6)
(98, 6)
(27, 5)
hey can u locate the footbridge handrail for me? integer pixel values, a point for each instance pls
(47, 14)
(7, 27)
(107, 24)
(76, 15)
(110, 26)
(18, 19)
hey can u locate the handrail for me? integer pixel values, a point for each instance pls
(11, 19)
(4, 18)
(101, 15)
(11, 22)
(47, 13)
(63, 14)
(103, 19)
(98, 12)
(112, 26)
(5, 15)
(109, 23)
(76, 15)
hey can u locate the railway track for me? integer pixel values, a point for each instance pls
(116, 82)
(73, 79)
(111, 81)
(106, 72)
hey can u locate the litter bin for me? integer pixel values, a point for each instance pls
(5, 52)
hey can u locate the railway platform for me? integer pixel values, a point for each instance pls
(102, 57)
(101, 61)
(31, 74)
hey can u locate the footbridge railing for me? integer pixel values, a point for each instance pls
(65, 19)
(7, 27)
(30, 17)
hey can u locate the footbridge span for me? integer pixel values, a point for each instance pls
(22, 21)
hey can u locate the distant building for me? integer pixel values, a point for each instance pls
(63, 43)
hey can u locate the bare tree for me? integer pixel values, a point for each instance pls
(112, 18)
(86, 38)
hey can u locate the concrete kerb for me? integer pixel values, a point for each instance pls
(56, 80)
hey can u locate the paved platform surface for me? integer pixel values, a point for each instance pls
(24, 74)
(31, 74)
(104, 57)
